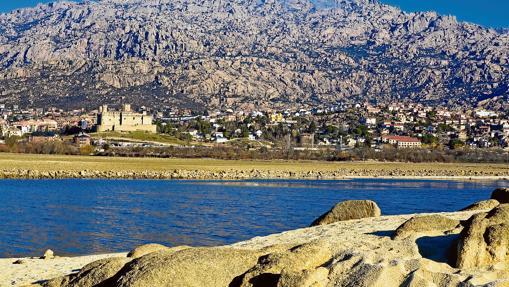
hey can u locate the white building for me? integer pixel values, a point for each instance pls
(402, 141)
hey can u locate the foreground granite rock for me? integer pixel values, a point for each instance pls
(501, 195)
(484, 241)
(146, 249)
(426, 225)
(297, 265)
(97, 272)
(483, 205)
(189, 267)
(348, 210)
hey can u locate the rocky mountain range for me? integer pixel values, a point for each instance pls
(246, 54)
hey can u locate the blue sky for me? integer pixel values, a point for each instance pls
(8, 5)
(492, 13)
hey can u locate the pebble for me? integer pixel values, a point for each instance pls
(49, 254)
(20, 261)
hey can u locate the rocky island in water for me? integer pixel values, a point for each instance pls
(350, 245)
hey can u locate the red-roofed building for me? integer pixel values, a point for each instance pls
(402, 141)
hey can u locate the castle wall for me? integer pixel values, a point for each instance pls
(125, 121)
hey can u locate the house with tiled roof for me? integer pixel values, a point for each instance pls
(402, 141)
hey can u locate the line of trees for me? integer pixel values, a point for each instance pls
(359, 154)
(14, 145)
(280, 152)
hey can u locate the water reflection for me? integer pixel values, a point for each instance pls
(95, 216)
(381, 183)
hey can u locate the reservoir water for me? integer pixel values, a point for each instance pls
(75, 217)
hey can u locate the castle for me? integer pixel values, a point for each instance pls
(124, 120)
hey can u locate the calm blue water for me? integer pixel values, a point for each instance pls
(95, 216)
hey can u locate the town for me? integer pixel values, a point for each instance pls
(341, 128)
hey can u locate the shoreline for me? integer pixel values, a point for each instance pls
(67, 176)
(236, 175)
(35, 270)
(365, 232)
(25, 166)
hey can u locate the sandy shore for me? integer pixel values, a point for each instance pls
(35, 269)
(370, 237)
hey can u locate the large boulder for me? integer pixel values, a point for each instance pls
(97, 272)
(57, 282)
(368, 269)
(484, 240)
(358, 270)
(501, 195)
(423, 277)
(191, 267)
(349, 210)
(298, 265)
(426, 225)
(306, 278)
(483, 205)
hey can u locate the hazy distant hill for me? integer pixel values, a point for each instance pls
(245, 53)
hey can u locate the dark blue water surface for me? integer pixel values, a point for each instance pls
(95, 216)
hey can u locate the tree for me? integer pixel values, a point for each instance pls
(86, 150)
(361, 130)
(312, 127)
(429, 139)
(456, 143)
(244, 131)
(12, 141)
(444, 128)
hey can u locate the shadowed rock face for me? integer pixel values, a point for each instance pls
(98, 272)
(349, 210)
(245, 53)
(484, 240)
(501, 195)
(425, 225)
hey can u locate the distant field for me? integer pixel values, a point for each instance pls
(79, 163)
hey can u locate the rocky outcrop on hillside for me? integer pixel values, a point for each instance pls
(246, 53)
